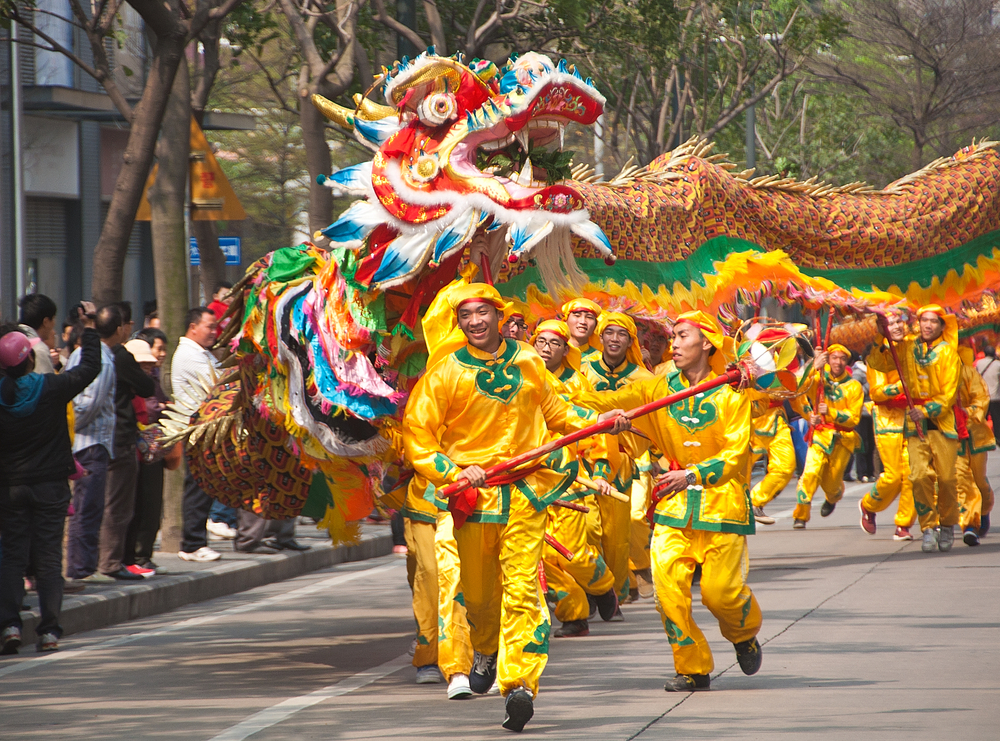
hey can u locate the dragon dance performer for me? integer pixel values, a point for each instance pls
(771, 435)
(975, 495)
(484, 403)
(931, 369)
(705, 513)
(581, 316)
(888, 415)
(587, 573)
(834, 439)
(618, 365)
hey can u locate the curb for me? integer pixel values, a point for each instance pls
(168, 592)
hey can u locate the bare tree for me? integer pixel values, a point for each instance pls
(933, 66)
(173, 25)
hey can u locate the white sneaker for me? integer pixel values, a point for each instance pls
(495, 689)
(458, 687)
(220, 530)
(758, 514)
(202, 555)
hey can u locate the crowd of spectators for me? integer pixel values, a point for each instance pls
(81, 467)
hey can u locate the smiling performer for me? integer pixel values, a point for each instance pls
(581, 316)
(618, 365)
(587, 573)
(834, 438)
(888, 415)
(480, 405)
(931, 369)
(704, 514)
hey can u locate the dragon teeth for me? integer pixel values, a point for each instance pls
(524, 177)
(522, 138)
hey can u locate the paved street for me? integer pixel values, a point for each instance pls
(863, 637)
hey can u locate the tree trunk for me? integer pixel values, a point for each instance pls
(167, 199)
(109, 253)
(213, 262)
(319, 163)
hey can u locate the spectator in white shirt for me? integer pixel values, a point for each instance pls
(192, 372)
(94, 447)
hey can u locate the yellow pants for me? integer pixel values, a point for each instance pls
(571, 581)
(505, 604)
(638, 549)
(935, 456)
(822, 469)
(894, 480)
(454, 642)
(594, 530)
(724, 591)
(975, 495)
(433, 572)
(780, 464)
(422, 573)
(616, 536)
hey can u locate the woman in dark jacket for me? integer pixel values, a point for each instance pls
(35, 462)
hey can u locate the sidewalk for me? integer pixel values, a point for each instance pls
(184, 582)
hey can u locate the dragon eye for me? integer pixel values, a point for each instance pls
(437, 109)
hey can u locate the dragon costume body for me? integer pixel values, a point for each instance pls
(328, 341)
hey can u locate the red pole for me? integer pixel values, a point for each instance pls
(559, 547)
(732, 376)
(484, 266)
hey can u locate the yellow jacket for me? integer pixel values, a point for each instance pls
(975, 400)
(844, 398)
(594, 451)
(931, 375)
(476, 409)
(885, 391)
(708, 434)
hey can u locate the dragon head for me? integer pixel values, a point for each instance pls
(458, 147)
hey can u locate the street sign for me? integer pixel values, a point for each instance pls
(230, 246)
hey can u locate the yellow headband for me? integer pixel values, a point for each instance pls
(479, 292)
(581, 304)
(617, 319)
(838, 348)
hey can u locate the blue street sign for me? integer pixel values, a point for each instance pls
(231, 247)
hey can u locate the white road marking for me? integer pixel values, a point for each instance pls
(202, 619)
(277, 713)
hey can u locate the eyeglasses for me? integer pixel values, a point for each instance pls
(519, 323)
(554, 343)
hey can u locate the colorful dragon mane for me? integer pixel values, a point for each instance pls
(327, 341)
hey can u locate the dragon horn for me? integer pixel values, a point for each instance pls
(343, 117)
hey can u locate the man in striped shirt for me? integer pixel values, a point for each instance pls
(93, 446)
(193, 371)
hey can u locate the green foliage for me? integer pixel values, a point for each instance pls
(509, 161)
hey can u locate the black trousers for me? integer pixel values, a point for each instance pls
(995, 416)
(194, 509)
(32, 519)
(252, 529)
(148, 512)
(864, 456)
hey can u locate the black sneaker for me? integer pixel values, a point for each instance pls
(607, 605)
(749, 655)
(984, 525)
(484, 673)
(592, 601)
(688, 683)
(572, 629)
(519, 708)
(827, 509)
(970, 536)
